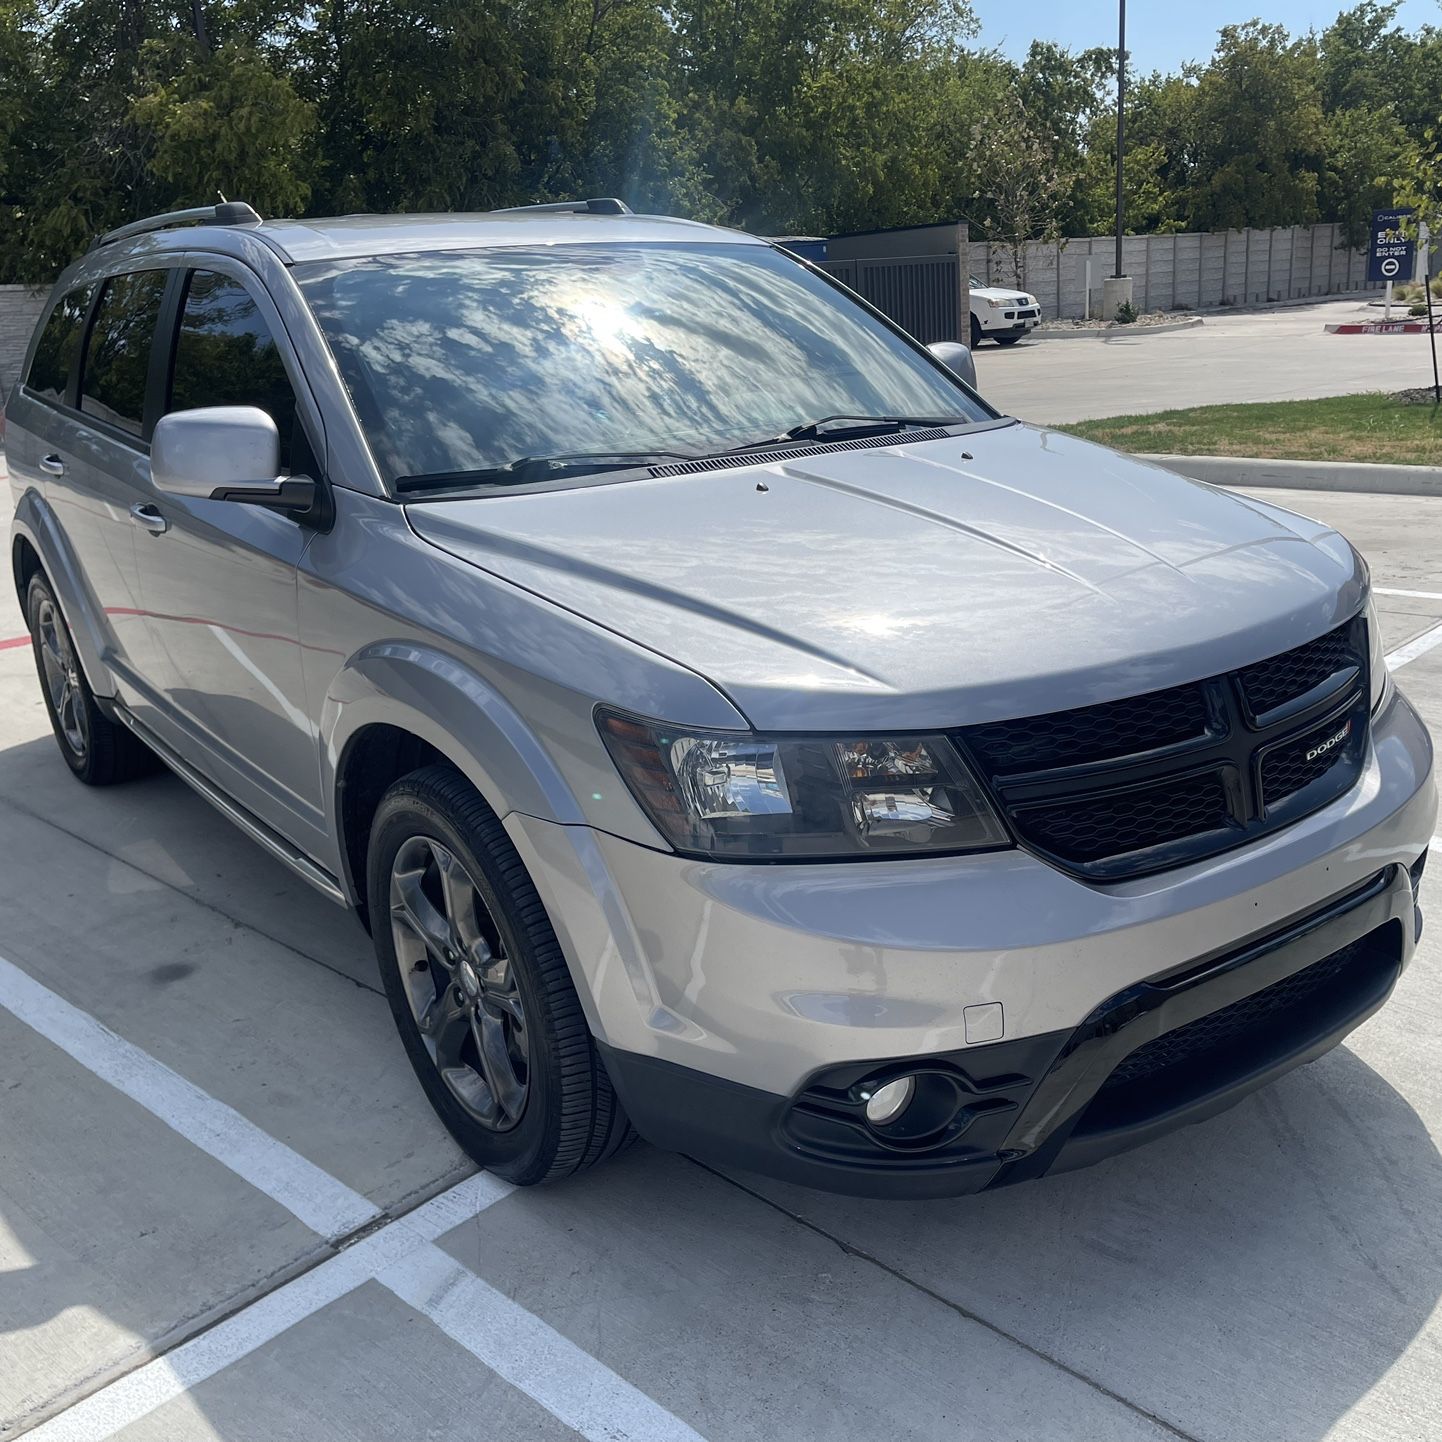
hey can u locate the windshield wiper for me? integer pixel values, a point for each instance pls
(526, 469)
(827, 427)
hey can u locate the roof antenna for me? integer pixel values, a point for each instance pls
(223, 200)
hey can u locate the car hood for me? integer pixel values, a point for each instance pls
(1007, 297)
(996, 573)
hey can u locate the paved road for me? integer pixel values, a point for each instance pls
(199, 1197)
(1273, 355)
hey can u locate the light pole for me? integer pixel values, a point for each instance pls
(1121, 125)
(1117, 287)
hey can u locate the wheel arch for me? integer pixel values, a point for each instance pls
(400, 705)
(38, 544)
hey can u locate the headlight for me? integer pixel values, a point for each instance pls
(1377, 659)
(1032, 300)
(734, 794)
(996, 304)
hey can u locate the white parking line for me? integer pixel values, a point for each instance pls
(1418, 646)
(1415, 595)
(324, 1204)
(569, 1383)
(130, 1397)
(518, 1346)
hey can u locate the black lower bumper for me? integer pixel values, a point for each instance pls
(1175, 1049)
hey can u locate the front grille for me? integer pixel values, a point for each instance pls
(1092, 733)
(1153, 816)
(1126, 787)
(1289, 768)
(1211, 1033)
(1284, 678)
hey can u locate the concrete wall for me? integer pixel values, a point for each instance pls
(20, 308)
(1194, 269)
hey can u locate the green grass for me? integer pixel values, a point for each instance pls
(1371, 427)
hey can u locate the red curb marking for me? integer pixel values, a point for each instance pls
(13, 641)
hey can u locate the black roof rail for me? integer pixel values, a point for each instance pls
(597, 205)
(227, 212)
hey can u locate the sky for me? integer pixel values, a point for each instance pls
(1161, 34)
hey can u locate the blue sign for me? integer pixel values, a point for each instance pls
(1391, 255)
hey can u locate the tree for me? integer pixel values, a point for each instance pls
(1022, 178)
(1256, 131)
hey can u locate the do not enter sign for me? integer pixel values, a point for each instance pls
(1391, 255)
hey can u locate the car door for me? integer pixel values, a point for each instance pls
(218, 579)
(94, 457)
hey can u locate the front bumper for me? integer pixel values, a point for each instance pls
(1167, 1052)
(727, 991)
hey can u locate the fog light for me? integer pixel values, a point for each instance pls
(887, 1103)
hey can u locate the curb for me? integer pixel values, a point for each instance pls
(1112, 331)
(1378, 327)
(1361, 476)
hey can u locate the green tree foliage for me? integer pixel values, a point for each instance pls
(781, 116)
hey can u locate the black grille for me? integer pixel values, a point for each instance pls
(1091, 828)
(1284, 678)
(1288, 769)
(1093, 733)
(1141, 784)
(1219, 1029)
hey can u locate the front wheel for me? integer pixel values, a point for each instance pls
(975, 332)
(479, 988)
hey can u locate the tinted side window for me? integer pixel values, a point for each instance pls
(225, 355)
(117, 357)
(55, 354)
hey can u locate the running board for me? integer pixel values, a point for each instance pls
(233, 811)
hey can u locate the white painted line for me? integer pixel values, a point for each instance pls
(1418, 646)
(320, 1201)
(131, 1397)
(531, 1355)
(1416, 595)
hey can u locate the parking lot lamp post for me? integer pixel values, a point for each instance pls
(1117, 287)
(1121, 124)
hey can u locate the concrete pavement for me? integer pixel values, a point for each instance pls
(1271, 355)
(1273, 1273)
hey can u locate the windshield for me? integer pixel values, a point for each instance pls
(472, 360)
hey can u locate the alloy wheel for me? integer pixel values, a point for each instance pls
(460, 982)
(62, 676)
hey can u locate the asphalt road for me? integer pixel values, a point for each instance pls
(227, 1212)
(1271, 355)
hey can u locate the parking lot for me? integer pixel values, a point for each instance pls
(1279, 354)
(227, 1211)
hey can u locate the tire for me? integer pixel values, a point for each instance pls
(975, 332)
(1007, 339)
(479, 988)
(101, 752)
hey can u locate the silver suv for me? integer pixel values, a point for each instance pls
(727, 724)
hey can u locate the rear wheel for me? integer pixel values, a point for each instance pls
(1007, 339)
(101, 752)
(479, 988)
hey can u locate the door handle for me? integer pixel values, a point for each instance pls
(52, 465)
(144, 514)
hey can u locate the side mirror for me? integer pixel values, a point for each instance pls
(955, 357)
(229, 453)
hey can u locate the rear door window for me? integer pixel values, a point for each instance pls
(225, 355)
(117, 356)
(58, 347)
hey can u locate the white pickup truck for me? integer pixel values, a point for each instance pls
(1001, 315)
